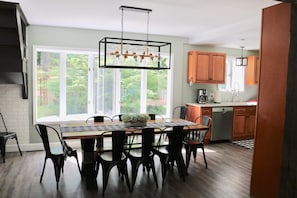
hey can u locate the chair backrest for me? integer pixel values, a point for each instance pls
(176, 138)
(4, 122)
(147, 140)
(182, 112)
(119, 116)
(204, 120)
(43, 131)
(99, 118)
(117, 141)
(154, 116)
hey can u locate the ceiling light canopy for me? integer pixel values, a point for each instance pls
(241, 61)
(134, 53)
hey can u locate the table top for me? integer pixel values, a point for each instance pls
(95, 129)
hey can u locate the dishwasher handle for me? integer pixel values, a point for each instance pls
(222, 109)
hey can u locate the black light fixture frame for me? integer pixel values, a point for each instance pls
(157, 45)
(241, 61)
(103, 43)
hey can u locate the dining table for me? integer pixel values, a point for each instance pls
(87, 133)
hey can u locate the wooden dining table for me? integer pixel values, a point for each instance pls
(88, 132)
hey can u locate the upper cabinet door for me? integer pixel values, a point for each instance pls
(202, 68)
(218, 68)
(252, 70)
(206, 67)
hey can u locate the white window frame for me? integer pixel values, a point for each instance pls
(231, 72)
(91, 69)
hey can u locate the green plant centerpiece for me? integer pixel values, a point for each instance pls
(135, 120)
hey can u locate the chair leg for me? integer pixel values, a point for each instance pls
(181, 166)
(125, 171)
(154, 171)
(134, 165)
(58, 165)
(105, 174)
(43, 169)
(16, 139)
(2, 143)
(188, 155)
(74, 154)
(204, 156)
(194, 150)
(164, 164)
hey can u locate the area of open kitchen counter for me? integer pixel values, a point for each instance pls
(224, 104)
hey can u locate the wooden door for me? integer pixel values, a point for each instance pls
(275, 43)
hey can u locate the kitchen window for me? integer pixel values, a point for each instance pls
(235, 77)
(69, 86)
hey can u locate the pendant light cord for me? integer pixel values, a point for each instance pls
(122, 33)
(148, 26)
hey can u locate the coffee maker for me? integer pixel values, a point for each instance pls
(202, 96)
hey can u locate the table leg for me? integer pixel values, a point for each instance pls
(88, 163)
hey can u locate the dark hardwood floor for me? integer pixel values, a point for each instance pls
(228, 176)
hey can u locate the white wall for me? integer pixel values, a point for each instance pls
(15, 112)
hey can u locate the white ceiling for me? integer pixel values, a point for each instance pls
(204, 22)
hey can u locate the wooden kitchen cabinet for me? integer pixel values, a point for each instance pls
(194, 111)
(206, 67)
(244, 118)
(252, 70)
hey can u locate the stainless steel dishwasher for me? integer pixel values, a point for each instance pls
(222, 122)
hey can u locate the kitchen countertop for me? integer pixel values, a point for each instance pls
(224, 104)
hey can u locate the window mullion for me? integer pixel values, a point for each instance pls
(91, 84)
(143, 91)
(117, 91)
(63, 72)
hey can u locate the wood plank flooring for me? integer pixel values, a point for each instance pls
(228, 176)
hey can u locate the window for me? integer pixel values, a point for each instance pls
(235, 77)
(69, 86)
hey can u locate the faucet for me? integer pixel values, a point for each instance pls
(235, 93)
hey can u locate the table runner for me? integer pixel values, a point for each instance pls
(121, 126)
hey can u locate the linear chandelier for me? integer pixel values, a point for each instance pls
(241, 61)
(134, 53)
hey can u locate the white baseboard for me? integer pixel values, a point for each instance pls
(38, 146)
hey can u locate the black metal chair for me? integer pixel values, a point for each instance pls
(195, 139)
(118, 116)
(113, 156)
(155, 116)
(169, 150)
(4, 136)
(181, 111)
(99, 118)
(142, 155)
(57, 154)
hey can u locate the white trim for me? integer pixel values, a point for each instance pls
(34, 73)
(63, 96)
(39, 146)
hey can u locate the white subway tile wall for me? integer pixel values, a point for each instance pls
(15, 110)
